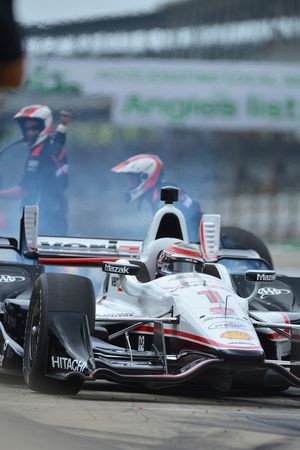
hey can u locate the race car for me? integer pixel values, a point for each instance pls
(168, 312)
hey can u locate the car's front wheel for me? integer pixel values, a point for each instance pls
(53, 292)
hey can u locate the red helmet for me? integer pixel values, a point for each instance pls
(179, 258)
(144, 171)
(40, 113)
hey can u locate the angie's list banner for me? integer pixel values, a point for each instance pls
(186, 93)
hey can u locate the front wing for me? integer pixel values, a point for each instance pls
(92, 358)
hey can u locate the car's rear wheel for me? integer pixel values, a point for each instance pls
(53, 292)
(238, 238)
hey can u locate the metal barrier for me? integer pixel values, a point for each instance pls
(272, 217)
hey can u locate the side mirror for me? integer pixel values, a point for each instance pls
(260, 276)
(120, 269)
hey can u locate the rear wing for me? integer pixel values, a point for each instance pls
(70, 250)
(61, 250)
(167, 222)
(78, 247)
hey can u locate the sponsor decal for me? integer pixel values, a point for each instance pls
(11, 278)
(266, 277)
(114, 281)
(260, 275)
(185, 249)
(118, 314)
(141, 343)
(84, 244)
(277, 336)
(233, 334)
(74, 365)
(268, 291)
(72, 245)
(4, 347)
(203, 340)
(32, 165)
(222, 310)
(123, 270)
(221, 318)
(207, 319)
(223, 325)
(130, 248)
(64, 169)
(213, 296)
(187, 201)
(183, 284)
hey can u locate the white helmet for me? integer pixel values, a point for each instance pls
(144, 170)
(179, 258)
(40, 113)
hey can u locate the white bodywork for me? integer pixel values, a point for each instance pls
(211, 313)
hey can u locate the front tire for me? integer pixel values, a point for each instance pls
(53, 292)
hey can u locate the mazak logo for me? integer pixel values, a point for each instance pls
(266, 292)
(11, 278)
(266, 277)
(116, 269)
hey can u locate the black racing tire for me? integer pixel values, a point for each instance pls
(238, 238)
(53, 292)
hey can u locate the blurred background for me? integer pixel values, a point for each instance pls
(212, 88)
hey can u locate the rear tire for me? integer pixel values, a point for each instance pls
(238, 238)
(53, 292)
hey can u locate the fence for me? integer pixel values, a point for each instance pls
(272, 217)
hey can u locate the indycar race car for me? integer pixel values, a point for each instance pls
(166, 314)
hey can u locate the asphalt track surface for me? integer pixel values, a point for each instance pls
(109, 416)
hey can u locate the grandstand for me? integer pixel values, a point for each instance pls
(219, 29)
(249, 175)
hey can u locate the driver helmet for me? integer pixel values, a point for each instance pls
(144, 171)
(41, 118)
(180, 257)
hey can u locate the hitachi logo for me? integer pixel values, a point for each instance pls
(265, 277)
(69, 364)
(116, 269)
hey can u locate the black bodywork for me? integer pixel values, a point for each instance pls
(17, 278)
(49, 335)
